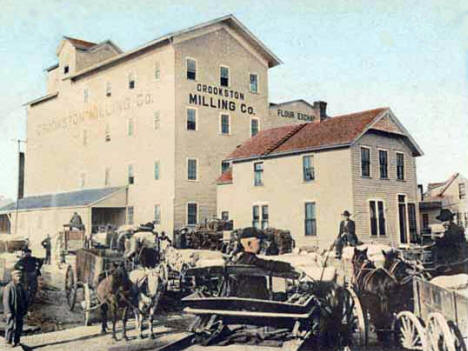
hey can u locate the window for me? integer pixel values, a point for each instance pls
(131, 81)
(82, 180)
(192, 169)
(156, 120)
(107, 176)
(308, 168)
(383, 162)
(310, 221)
(66, 69)
(365, 162)
(412, 221)
(108, 89)
(224, 76)
(377, 217)
(130, 127)
(224, 124)
(107, 138)
(85, 137)
(461, 191)
(130, 215)
(253, 127)
(425, 220)
(253, 86)
(157, 71)
(224, 166)
(156, 170)
(192, 213)
(400, 166)
(157, 214)
(191, 69)
(256, 216)
(264, 216)
(85, 95)
(258, 173)
(131, 176)
(225, 215)
(191, 119)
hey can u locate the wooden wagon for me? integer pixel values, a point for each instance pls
(91, 266)
(293, 316)
(71, 240)
(439, 320)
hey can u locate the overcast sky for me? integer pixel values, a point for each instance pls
(354, 55)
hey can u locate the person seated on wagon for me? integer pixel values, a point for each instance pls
(451, 244)
(346, 235)
(144, 237)
(255, 287)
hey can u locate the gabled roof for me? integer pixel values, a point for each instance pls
(432, 186)
(274, 104)
(79, 43)
(229, 20)
(70, 199)
(448, 183)
(226, 177)
(340, 131)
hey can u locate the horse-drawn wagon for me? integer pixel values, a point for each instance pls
(71, 240)
(300, 310)
(91, 266)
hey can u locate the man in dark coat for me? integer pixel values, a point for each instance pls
(451, 245)
(47, 245)
(30, 268)
(346, 235)
(255, 287)
(76, 222)
(14, 307)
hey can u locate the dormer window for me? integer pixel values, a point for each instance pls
(66, 69)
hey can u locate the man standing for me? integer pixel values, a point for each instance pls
(451, 245)
(346, 235)
(164, 243)
(14, 307)
(255, 287)
(30, 268)
(47, 245)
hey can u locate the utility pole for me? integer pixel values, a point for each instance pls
(19, 141)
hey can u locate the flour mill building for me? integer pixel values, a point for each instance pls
(129, 137)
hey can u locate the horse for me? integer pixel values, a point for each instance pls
(376, 287)
(150, 289)
(115, 292)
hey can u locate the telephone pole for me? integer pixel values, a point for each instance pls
(19, 141)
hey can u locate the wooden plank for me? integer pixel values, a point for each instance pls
(197, 311)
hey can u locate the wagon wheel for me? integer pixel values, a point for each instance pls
(440, 337)
(70, 287)
(410, 332)
(87, 304)
(354, 318)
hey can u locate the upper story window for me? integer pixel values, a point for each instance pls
(107, 132)
(85, 95)
(157, 214)
(224, 166)
(130, 127)
(254, 126)
(461, 191)
(400, 158)
(156, 170)
(253, 83)
(130, 215)
(310, 219)
(192, 169)
(191, 69)
(224, 76)
(107, 176)
(131, 175)
(108, 89)
(258, 173)
(308, 170)
(365, 162)
(225, 127)
(383, 163)
(191, 119)
(157, 71)
(156, 120)
(66, 69)
(131, 80)
(377, 217)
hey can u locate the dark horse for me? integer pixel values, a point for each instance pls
(377, 290)
(115, 292)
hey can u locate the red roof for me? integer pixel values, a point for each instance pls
(335, 131)
(80, 43)
(226, 177)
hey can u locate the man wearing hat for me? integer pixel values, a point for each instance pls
(346, 235)
(14, 307)
(255, 287)
(452, 243)
(30, 268)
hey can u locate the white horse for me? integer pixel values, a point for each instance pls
(150, 291)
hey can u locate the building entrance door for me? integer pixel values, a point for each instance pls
(402, 219)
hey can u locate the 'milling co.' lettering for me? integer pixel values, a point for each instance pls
(219, 103)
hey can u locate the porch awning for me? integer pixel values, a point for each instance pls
(112, 197)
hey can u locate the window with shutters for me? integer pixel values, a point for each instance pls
(365, 162)
(383, 163)
(308, 170)
(377, 217)
(224, 76)
(191, 69)
(310, 219)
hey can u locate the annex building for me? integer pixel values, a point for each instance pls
(301, 177)
(130, 137)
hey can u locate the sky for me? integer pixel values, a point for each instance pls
(408, 55)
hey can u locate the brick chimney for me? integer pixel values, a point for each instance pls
(320, 108)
